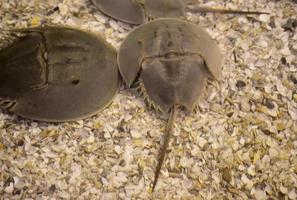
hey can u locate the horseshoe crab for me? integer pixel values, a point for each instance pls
(172, 58)
(57, 74)
(140, 11)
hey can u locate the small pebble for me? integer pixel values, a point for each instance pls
(240, 84)
(290, 24)
(269, 103)
(10, 188)
(264, 17)
(226, 174)
(260, 195)
(292, 194)
(135, 134)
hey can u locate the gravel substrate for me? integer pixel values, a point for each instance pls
(241, 143)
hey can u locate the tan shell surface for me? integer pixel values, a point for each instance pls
(179, 80)
(140, 11)
(128, 11)
(58, 74)
(189, 38)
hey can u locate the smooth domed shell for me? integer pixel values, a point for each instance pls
(123, 10)
(140, 11)
(164, 8)
(140, 43)
(58, 74)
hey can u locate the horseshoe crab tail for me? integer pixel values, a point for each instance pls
(168, 131)
(202, 9)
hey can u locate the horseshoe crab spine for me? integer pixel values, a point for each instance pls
(204, 9)
(168, 132)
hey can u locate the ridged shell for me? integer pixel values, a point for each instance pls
(124, 10)
(58, 74)
(145, 41)
(139, 11)
(172, 57)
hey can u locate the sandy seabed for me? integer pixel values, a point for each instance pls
(240, 144)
